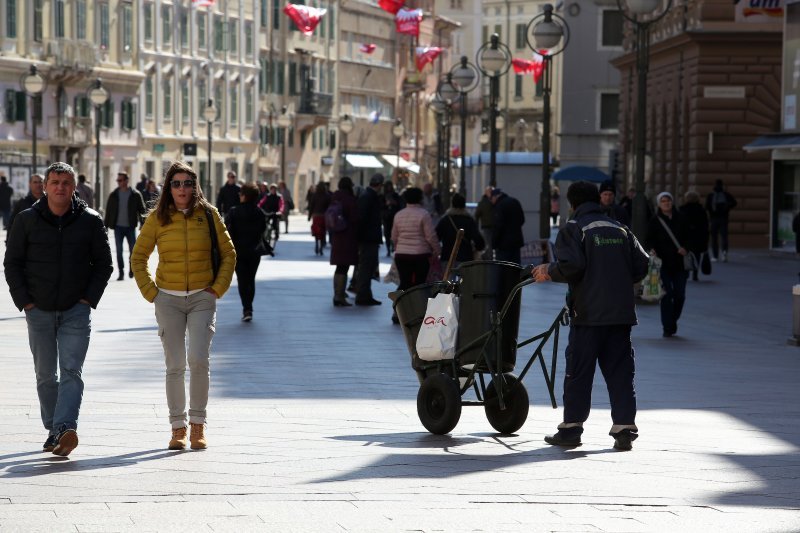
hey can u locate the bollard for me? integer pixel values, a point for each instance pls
(794, 340)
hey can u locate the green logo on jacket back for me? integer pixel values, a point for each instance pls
(608, 241)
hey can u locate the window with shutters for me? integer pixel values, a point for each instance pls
(184, 28)
(147, 22)
(234, 104)
(38, 20)
(167, 99)
(248, 105)
(612, 28)
(233, 35)
(80, 19)
(58, 19)
(219, 102)
(292, 78)
(219, 34)
(166, 25)
(609, 111)
(107, 114)
(518, 80)
(248, 39)
(185, 102)
(148, 97)
(128, 114)
(201, 31)
(520, 41)
(103, 30)
(15, 106)
(11, 19)
(264, 12)
(82, 106)
(276, 15)
(126, 13)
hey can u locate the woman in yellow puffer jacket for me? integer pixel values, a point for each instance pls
(185, 292)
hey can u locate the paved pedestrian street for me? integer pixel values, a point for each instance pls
(313, 424)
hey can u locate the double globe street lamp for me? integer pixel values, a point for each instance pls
(493, 60)
(34, 84)
(642, 14)
(465, 77)
(98, 95)
(446, 94)
(550, 34)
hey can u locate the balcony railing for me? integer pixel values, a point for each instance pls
(72, 54)
(314, 103)
(70, 131)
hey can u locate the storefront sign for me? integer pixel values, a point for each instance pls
(724, 92)
(158, 148)
(759, 11)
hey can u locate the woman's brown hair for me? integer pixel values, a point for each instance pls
(165, 206)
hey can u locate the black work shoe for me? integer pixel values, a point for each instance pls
(371, 301)
(67, 441)
(121, 276)
(50, 443)
(130, 273)
(623, 439)
(565, 437)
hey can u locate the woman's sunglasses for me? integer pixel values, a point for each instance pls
(177, 184)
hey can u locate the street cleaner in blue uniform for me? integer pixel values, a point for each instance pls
(600, 259)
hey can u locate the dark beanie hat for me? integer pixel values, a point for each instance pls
(607, 185)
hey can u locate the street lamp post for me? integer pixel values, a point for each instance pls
(33, 84)
(465, 78)
(284, 121)
(547, 30)
(447, 93)
(210, 114)
(346, 125)
(98, 95)
(398, 130)
(493, 60)
(635, 13)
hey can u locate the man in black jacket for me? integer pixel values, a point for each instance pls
(125, 210)
(35, 191)
(507, 227)
(369, 240)
(601, 260)
(57, 265)
(228, 194)
(6, 192)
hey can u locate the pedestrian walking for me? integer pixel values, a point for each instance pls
(432, 203)
(228, 195)
(455, 218)
(507, 227)
(392, 203)
(673, 273)
(415, 242)
(272, 204)
(608, 201)
(485, 216)
(317, 206)
(85, 192)
(57, 266)
(125, 210)
(344, 243)
(246, 225)
(6, 192)
(555, 205)
(719, 204)
(150, 194)
(288, 203)
(369, 239)
(141, 186)
(185, 292)
(35, 191)
(697, 227)
(600, 259)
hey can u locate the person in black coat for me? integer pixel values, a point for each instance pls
(719, 204)
(228, 195)
(673, 273)
(35, 191)
(697, 222)
(455, 218)
(369, 239)
(392, 203)
(608, 197)
(507, 227)
(246, 224)
(57, 266)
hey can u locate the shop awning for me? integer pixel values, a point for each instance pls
(363, 161)
(393, 160)
(580, 172)
(773, 141)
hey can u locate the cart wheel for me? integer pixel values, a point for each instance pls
(515, 397)
(439, 404)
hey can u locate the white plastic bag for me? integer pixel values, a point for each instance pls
(439, 330)
(652, 291)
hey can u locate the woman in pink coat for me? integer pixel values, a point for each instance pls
(415, 240)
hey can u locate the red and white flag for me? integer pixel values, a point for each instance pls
(202, 3)
(391, 6)
(367, 48)
(533, 66)
(425, 55)
(305, 17)
(408, 21)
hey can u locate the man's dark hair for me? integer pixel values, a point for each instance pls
(458, 201)
(250, 192)
(2, 179)
(124, 175)
(581, 192)
(59, 168)
(81, 178)
(412, 195)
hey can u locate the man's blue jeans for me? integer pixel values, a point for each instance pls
(124, 233)
(59, 340)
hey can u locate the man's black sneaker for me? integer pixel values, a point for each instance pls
(67, 441)
(247, 316)
(565, 437)
(623, 439)
(50, 443)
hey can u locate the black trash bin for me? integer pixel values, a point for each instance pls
(484, 289)
(410, 306)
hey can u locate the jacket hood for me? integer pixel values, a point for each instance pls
(455, 211)
(588, 207)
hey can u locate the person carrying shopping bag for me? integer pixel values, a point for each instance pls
(196, 260)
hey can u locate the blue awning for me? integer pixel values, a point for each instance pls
(579, 172)
(773, 141)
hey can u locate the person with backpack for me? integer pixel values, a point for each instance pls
(719, 204)
(341, 219)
